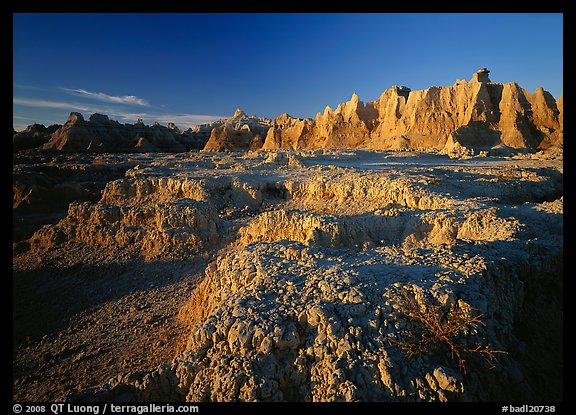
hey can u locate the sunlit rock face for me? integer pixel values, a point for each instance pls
(237, 133)
(478, 114)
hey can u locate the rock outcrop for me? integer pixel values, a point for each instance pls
(164, 230)
(286, 130)
(44, 185)
(298, 299)
(257, 125)
(475, 115)
(231, 139)
(305, 307)
(33, 136)
(100, 134)
(466, 118)
(237, 133)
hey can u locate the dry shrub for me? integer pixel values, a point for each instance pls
(509, 173)
(440, 325)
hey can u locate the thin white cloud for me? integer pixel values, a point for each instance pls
(183, 121)
(20, 123)
(42, 103)
(188, 120)
(101, 96)
(30, 87)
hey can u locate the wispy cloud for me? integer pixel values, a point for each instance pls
(188, 120)
(20, 123)
(183, 121)
(42, 103)
(30, 87)
(101, 96)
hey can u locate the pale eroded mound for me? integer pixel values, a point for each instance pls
(302, 302)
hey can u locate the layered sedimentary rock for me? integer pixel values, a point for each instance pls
(257, 125)
(479, 114)
(286, 129)
(238, 133)
(302, 304)
(100, 134)
(232, 139)
(33, 136)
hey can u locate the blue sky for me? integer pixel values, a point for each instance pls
(194, 68)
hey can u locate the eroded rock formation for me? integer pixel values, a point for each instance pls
(100, 134)
(33, 136)
(232, 139)
(463, 119)
(238, 133)
(301, 301)
(479, 114)
(44, 185)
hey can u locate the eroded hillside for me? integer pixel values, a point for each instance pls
(266, 276)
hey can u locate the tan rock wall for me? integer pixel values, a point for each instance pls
(475, 114)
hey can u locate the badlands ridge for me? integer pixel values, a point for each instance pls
(476, 115)
(305, 262)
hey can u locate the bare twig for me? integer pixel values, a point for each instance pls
(440, 325)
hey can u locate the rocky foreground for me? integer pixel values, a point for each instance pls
(291, 275)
